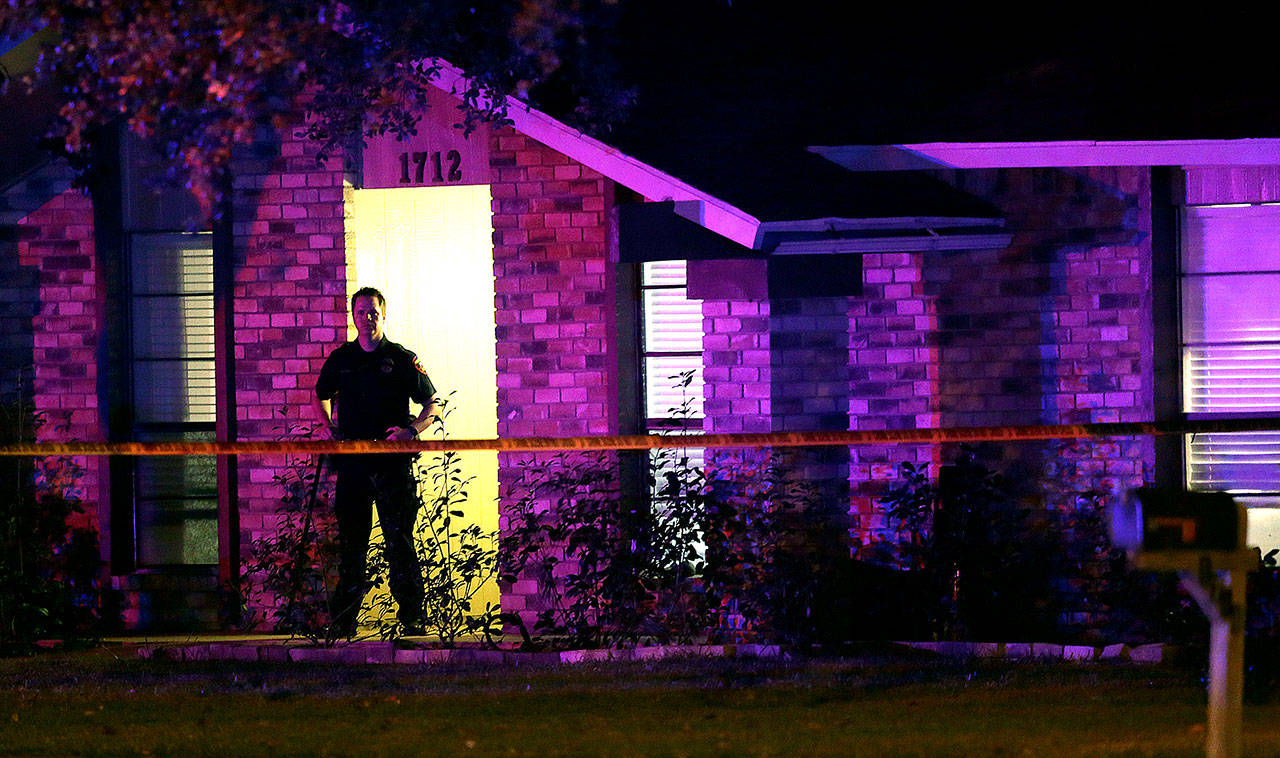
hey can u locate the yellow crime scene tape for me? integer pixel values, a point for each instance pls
(657, 441)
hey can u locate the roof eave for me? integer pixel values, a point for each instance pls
(694, 204)
(1079, 153)
(921, 243)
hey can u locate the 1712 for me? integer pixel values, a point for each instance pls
(445, 167)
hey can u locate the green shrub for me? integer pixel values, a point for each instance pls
(292, 571)
(989, 567)
(457, 557)
(49, 566)
(679, 557)
(986, 562)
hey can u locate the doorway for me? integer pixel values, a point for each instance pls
(430, 251)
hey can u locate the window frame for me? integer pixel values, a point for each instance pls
(152, 503)
(129, 200)
(1195, 391)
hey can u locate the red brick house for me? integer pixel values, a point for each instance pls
(885, 287)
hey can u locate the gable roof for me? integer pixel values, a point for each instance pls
(705, 209)
(730, 96)
(733, 100)
(734, 199)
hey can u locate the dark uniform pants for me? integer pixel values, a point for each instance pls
(388, 481)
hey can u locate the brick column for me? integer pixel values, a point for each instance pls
(57, 242)
(737, 372)
(809, 385)
(893, 355)
(289, 305)
(737, 366)
(554, 310)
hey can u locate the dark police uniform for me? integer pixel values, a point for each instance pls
(373, 390)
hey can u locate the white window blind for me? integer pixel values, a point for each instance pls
(1231, 341)
(172, 328)
(671, 341)
(672, 344)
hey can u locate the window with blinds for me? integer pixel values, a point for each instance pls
(172, 379)
(672, 348)
(1231, 349)
(172, 328)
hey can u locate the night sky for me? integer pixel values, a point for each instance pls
(914, 74)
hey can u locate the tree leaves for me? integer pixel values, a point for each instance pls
(202, 76)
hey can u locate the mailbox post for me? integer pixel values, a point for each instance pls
(1201, 537)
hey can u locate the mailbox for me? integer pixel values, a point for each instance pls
(1156, 520)
(1201, 537)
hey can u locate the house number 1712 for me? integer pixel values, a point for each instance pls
(445, 167)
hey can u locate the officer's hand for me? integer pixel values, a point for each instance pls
(401, 433)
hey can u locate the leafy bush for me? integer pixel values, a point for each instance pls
(568, 513)
(613, 564)
(292, 571)
(682, 552)
(986, 562)
(736, 539)
(457, 557)
(1118, 602)
(777, 552)
(989, 567)
(49, 567)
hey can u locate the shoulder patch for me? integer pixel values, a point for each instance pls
(417, 364)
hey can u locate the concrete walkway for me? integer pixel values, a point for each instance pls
(278, 648)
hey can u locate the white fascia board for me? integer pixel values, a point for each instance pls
(975, 155)
(706, 210)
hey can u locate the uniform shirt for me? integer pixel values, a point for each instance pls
(373, 388)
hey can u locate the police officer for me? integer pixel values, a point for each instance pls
(363, 393)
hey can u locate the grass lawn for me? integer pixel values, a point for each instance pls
(103, 704)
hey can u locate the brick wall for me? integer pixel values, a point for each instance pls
(553, 300)
(1057, 318)
(1054, 329)
(57, 242)
(810, 387)
(893, 359)
(554, 307)
(289, 307)
(737, 366)
(19, 283)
